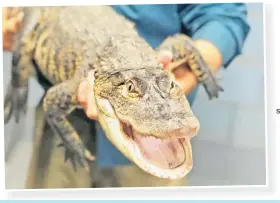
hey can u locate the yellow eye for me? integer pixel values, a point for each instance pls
(131, 90)
(130, 87)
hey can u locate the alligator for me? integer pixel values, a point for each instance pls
(141, 108)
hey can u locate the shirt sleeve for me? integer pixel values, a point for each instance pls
(224, 25)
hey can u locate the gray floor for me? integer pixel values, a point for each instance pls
(230, 148)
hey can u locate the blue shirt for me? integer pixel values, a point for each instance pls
(224, 25)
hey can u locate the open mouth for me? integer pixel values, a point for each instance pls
(168, 157)
(165, 153)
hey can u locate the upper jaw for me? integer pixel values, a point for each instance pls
(178, 133)
(188, 131)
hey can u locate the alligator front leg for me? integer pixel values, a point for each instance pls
(17, 92)
(59, 101)
(184, 52)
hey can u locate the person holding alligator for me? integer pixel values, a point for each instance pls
(218, 32)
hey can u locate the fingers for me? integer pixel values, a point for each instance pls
(13, 24)
(185, 79)
(89, 156)
(5, 13)
(86, 99)
(7, 42)
(86, 96)
(12, 21)
(82, 92)
(183, 76)
(165, 57)
(91, 107)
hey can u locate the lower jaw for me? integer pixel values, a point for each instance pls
(169, 165)
(165, 173)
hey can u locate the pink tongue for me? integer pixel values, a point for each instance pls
(167, 153)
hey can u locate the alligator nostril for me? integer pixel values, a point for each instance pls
(160, 107)
(163, 109)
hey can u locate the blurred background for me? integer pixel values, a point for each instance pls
(230, 147)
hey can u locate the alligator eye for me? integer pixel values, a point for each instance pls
(130, 87)
(131, 90)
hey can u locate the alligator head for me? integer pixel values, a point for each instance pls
(145, 114)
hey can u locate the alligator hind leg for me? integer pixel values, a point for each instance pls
(16, 95)
(59, 101)
(184, 51)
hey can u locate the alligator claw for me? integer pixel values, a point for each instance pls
(211, 88)
(184, 52)
(15, 102)
(74, 157)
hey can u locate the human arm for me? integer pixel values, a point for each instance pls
(219, 32)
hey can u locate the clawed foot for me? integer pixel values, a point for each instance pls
(15, 101)
(212, 88)
(180, 49)
(79, 156)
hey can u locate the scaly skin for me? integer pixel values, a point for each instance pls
(185, 52)
(136, 98)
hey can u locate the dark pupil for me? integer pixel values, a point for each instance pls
(130, 87)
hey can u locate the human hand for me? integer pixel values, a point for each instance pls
(12, 20)
(86, 96)
(185, 78)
